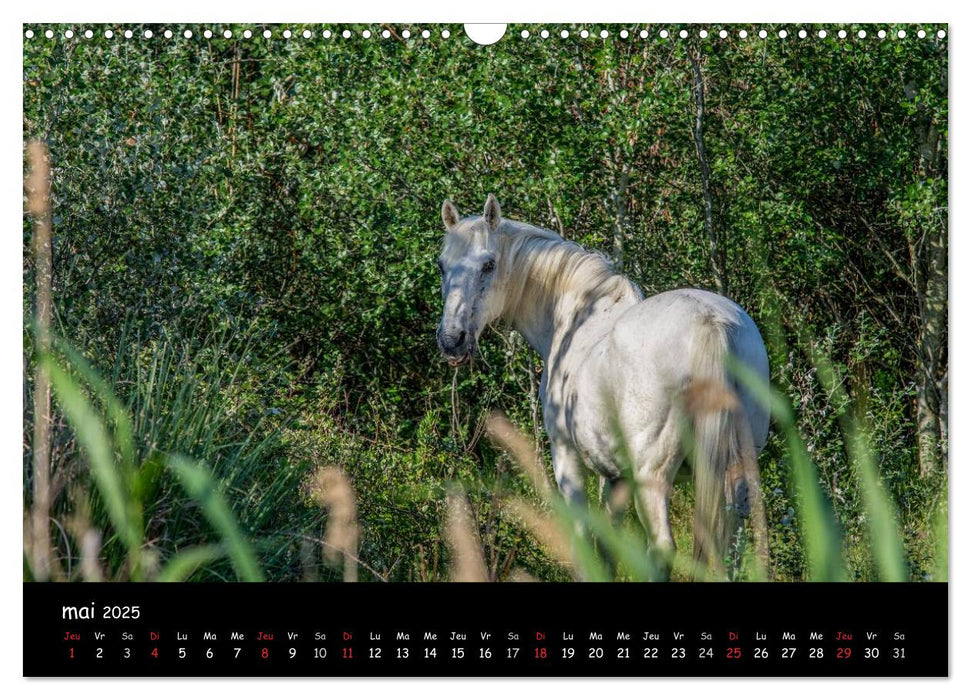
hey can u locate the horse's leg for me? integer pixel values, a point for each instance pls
(568, 472)
(750, 468)
(654, 481)
(570, 480)
(614, 496)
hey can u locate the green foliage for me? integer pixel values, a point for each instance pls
(244, 242)
(124, 486)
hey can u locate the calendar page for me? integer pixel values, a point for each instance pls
(357, 350)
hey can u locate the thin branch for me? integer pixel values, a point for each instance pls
(342, 552)
(898, 270)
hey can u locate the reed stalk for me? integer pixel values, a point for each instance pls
(38, 191)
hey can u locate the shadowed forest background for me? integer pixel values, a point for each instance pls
(244, 236)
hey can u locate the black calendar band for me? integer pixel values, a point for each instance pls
(500, 630)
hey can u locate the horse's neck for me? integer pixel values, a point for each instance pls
(564, 317)
(538, 334)
(581, 319)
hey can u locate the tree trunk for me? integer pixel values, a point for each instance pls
(716, 252)
(931, 409)
(931, 413)
(619, 197)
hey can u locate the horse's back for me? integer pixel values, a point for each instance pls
(666, 341)
(665, 325)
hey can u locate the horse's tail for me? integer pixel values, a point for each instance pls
(722, 453)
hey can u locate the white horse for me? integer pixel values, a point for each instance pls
(623, 375)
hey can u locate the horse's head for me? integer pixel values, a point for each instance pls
(471, 291)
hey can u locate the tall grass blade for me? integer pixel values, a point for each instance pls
(185, 563)
(331, 488)
(467, 561)
(817, 521)
(201, 487)
(96, 443)
(886, 542)
(586, 559)
(569, 520)
(116, 411)
(940, 542)
(624, 547)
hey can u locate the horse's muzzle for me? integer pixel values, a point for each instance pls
(459, 361)
(457, 348)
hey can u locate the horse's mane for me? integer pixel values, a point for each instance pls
(540, 266)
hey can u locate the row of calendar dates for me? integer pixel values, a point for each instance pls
(353, 653)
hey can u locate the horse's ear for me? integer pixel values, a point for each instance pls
(492, 213)
(450, 215)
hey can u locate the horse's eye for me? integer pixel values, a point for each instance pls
(488, 266)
